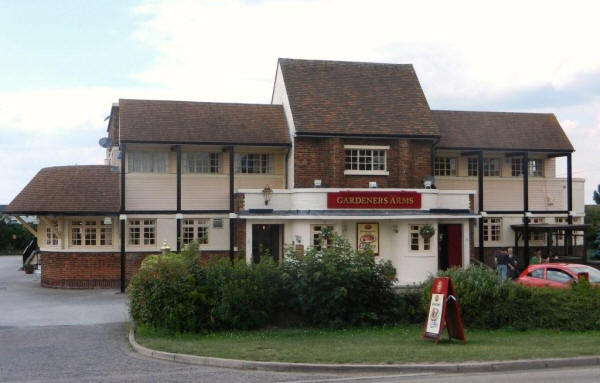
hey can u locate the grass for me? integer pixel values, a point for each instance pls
(401, 344)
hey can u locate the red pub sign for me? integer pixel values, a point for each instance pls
(374, 200)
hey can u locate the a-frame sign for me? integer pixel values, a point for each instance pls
(443, 311)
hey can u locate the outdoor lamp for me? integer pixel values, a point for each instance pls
(267, 192)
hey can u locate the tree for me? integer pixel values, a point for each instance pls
(596, 253)
(596, 196)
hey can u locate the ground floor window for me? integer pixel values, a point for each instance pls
(417, 241)
(51, 237)
(91, 233)
(492, 229)
(142, 231)
(195, 230)
(321, 237)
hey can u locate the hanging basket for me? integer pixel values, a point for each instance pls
(427, 231)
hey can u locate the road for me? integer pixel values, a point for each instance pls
(49, 335)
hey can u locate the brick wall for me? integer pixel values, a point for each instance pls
(408, 161)
(87, 270)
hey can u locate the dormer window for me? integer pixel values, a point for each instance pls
(366, 160)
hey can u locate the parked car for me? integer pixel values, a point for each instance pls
(558, 275)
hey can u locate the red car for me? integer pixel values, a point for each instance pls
(558, 275)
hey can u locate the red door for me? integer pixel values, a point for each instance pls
(454, 238)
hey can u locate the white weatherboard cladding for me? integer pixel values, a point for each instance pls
(507, 193)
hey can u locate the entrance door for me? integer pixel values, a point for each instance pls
(265, 242)
(450, 246)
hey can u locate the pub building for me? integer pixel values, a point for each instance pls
(343, 146)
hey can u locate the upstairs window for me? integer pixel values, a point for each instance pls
(365, 159)
(200, 162)
(147, 162)
(535, 168)
(491, 167)
(444, 166)
(253, 163)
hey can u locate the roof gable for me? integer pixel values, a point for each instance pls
(351, 98)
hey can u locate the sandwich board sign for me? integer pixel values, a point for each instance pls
(443, 311)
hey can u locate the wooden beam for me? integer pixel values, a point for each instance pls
(26, 226)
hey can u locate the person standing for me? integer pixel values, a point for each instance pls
(512, 264)
(502, 265)
(537, 257)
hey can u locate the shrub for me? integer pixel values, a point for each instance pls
(485, 302)
(338, 286)
(163, 294)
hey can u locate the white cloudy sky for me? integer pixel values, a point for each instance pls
(64, 63)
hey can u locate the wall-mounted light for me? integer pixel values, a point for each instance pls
(267, 193)
(428, 182)
(372, 184)
(317, 183)
(123, 217)
(107, 221)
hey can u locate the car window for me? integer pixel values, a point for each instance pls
(558, 276)
(537, 273)
(594, 274)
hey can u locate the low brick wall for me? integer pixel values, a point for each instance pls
(97, 270)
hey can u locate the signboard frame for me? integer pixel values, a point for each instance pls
(389, 200)
(367, 231)
(443, 312)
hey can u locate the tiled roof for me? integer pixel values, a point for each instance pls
(202, 122)
(69, 189)
(500, 130)
(345, 98)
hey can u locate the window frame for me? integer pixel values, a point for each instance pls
(449, 168)
(196, 225)
(316, 236)
(263, 163)
(473, 167)
(353, 155)
(209, 165)
(91, 233)
(488, 229)
(143, 224)
(51, 237)
(415, 238)
(155, 158)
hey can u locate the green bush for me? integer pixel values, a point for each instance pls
(485, 302)
(338, 286)
(8, 245)
(163, 294)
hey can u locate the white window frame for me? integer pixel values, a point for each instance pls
(195, 229)
(145, 226)
(489, 224)
(201, 163)
(535, 167)
(449, 169)
(316, 236)
(91, 230)
(352, 163)
(262, 163)
(51, 237)
(415, 239)
(156, 162)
